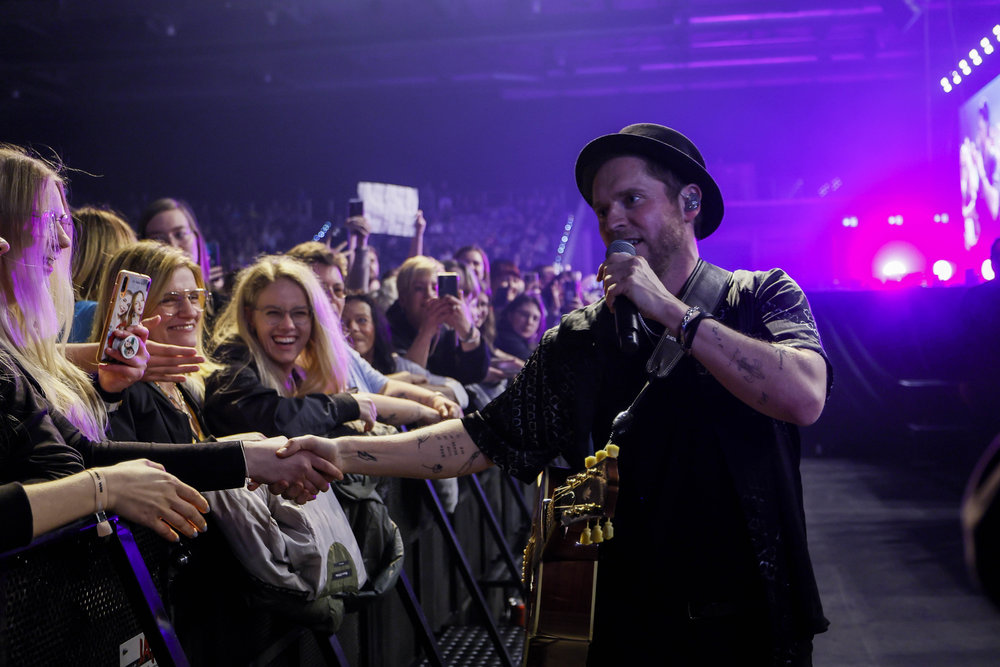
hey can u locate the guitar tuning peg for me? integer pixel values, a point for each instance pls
(598, 534)
(590, 461)
(585, 535)
(612, 451)
(600, 455)
(609, 530)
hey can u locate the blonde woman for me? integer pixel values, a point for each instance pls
(436, 332)
(163, 410)
(283, 358)
(55, 414)
(285, 362)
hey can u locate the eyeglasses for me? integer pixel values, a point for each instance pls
(172, 302)
(50, 218)
(275, 316)
(334, 291)
(179, 235)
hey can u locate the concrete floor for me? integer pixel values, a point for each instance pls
(886, 544)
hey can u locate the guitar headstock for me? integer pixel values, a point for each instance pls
(588, 497)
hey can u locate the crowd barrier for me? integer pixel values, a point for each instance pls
(74, 598)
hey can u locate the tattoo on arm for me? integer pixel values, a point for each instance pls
(421, 439)
(436, 468)
(715, 334)
(750, 368)
(366, 456)
(781, 358)
(763, 398)
(467, 466)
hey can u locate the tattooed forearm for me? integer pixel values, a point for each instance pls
(467, 466)
(367, 456)
(451, 449)
(750, 368)
(716, 335)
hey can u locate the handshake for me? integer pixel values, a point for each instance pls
(293, 472)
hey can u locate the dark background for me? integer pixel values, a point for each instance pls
(806, 111)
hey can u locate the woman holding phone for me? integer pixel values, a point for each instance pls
(436, 332)
(164, 410)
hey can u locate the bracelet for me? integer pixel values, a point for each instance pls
(473, 335)
(685, 321)
(691, 327)
(100, 493)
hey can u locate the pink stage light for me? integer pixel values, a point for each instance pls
(894, 269)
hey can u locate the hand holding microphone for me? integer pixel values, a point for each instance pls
(626, 314)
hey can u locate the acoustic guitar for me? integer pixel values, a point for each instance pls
(572, 519)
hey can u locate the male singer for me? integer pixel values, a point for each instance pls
(709, 525)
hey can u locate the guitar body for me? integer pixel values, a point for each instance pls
(560, 571)
(561, 624)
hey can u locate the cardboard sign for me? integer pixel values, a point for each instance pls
(389, 209)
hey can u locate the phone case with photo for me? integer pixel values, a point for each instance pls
(128, 301)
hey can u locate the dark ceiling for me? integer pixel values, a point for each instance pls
(133, 50)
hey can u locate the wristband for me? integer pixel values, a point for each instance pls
(689, 314)
(691, 327)
(100, 494)
(473, 335)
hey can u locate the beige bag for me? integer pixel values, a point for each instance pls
(306, 549)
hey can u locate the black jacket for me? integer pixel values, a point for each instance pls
(38, 443)
(146, 413)
(236, 401)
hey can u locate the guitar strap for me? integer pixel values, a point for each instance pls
(705, 288)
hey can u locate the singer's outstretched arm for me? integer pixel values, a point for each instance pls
(441, 450)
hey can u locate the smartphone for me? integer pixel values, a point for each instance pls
(355, 208)
(448, 284)
(128, 301)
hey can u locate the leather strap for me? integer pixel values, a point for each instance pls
(704, 288)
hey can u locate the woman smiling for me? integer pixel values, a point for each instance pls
(163, 411)
(283, 357)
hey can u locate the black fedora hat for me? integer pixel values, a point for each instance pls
(663, 146)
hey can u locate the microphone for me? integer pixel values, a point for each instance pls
(626, 314)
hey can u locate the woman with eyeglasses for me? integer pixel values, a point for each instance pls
(172, 222)
(164, 411)
(55, 463)
(283, 358)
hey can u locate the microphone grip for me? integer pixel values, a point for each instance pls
(627, 325)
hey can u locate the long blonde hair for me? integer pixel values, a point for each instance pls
(99, 234)
(159, 262)
(38, 308)
(325, 358)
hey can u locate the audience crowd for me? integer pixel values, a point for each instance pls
(253, 332)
